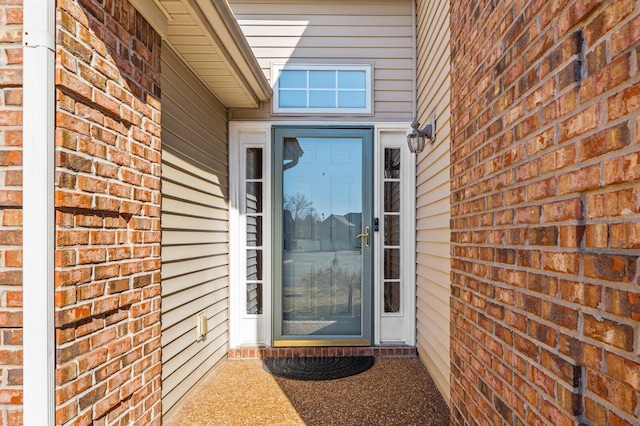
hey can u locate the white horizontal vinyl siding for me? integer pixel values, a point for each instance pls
(433, 263)
(195, 224)
(335, 32)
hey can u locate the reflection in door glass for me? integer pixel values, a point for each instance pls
(392, 252)
(253, 213)
(254, 282)
(322, 254)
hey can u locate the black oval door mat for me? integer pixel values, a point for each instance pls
(318, 368)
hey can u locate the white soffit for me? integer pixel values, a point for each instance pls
(207, 36)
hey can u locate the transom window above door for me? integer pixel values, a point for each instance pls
(313, 89)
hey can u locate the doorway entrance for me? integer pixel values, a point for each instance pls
(322, 236)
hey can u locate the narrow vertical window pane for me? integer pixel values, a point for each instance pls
(392, 254)
(391, 264)
(254, 163)
(254, 197)
(392, 296)
(391, 163)
(254, 265)
(254, 298)
(254, 231)
(392, 230)
(392, 196)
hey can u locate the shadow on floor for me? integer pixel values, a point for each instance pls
(395, 391)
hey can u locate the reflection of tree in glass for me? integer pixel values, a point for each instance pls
(298, 205)
(303, 214)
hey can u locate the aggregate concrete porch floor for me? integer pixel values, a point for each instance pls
(395, 391)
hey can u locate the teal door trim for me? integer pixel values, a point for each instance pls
(365, 134)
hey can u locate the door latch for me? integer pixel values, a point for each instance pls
(365, 236)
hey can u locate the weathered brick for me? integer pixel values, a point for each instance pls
(611, 75)
(623, 370)
(581, 293)
(561, 262)
(595, 412)
(543, 333)
(606, 141)
(623, 303)
(610, 332)
(581, 180)
(622, 169)
(72, 200)
(613, 203)
(625, 235)
(570, 209)
(610, 267)
(69, 82)
(619, 395)
(624, 37)
(72, 123)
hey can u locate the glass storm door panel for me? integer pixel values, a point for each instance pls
(322, 236)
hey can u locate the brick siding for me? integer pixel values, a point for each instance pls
(10, 213)
(107, 200)
(545, 304)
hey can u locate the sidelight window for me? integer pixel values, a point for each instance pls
(254, 213)
(391, 226)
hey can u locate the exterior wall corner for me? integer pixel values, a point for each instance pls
(107, 208)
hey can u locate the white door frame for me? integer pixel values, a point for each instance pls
(252, 330)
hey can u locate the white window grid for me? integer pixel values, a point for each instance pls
(367, 90)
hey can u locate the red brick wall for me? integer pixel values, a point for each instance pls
(107, 215)
(545, 212)
(10, 212)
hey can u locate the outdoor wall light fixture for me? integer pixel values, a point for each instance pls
(417, 138)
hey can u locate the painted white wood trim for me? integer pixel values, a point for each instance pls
(277, 69)
(410, 236)
(248, 329)
(242, 327)
(414, 48)
(223, 29)
(38, 213)
(234, 243)
(404, 322)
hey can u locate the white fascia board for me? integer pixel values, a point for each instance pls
(38, 212)
(226, 33)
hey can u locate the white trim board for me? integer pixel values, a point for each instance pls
(38, 213)
(255, 330)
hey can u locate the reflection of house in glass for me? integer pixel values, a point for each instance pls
(287, 225)
(336, 233)
(356, 219)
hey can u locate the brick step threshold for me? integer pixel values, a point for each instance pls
(377, 351)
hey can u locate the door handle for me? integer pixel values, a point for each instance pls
(365, 235)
